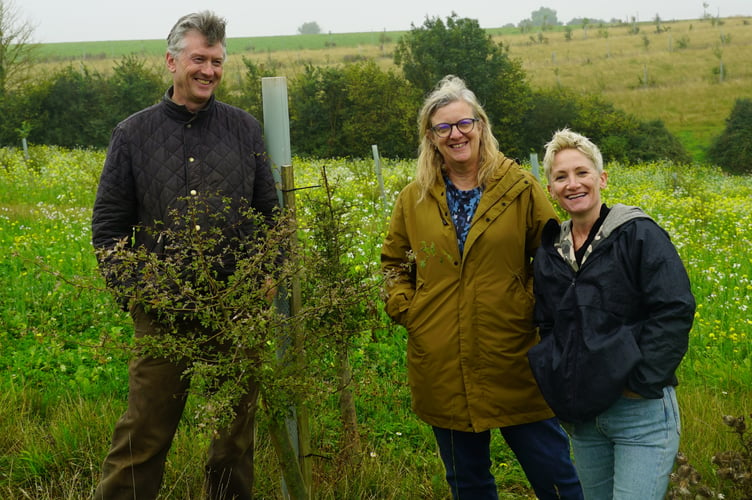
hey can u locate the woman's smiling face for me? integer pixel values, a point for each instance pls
(457, 149)
(575, 184)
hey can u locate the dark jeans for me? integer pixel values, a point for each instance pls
(157, 394)
(542, 449)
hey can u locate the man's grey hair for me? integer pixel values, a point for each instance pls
(206, 22)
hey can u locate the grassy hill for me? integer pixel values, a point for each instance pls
(686, 73)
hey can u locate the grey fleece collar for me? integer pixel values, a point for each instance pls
(617, 216)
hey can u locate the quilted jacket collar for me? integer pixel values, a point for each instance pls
(180, 112)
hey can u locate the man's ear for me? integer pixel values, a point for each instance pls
(170, 62)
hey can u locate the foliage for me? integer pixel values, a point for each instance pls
(77, 107)
(651, 141)
(70, 110)
(248, 94)
(133, 86)
(462, 48)
(343, 111)
(620, 136)
(15, 110)
(732, 150)
(65, 347)
(544, 18)
(317, 101)
(551, 110)
(351, 136)
(309, 28)
(234, 334)
(16, 47)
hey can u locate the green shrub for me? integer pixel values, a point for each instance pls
(732, 150)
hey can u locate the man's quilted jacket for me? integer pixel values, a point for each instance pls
(163, 155)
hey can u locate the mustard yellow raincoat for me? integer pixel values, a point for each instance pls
(469, 317)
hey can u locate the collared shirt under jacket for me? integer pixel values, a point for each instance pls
(469, 317)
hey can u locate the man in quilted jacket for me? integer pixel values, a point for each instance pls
(187, 145)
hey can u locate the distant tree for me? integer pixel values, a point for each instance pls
(544, 18)
(462, 48)
(659, 28)
(309, 28)
(317, 102)
(550, 110)
(525, 26)
(634, 28)
(620, 136)
(732, 150)
(382, 109)
(589, 21)
(16, 47)
(15, 115)
(70, 109)
(248, 93)
(652, 141)
(383, 39)
(132, 87)
(342, 111)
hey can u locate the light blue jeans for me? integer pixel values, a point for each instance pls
(627, 452)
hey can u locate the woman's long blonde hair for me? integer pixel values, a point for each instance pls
(430, 162)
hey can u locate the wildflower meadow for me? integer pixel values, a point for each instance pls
(64, 341)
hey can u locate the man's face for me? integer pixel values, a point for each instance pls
(196, 71)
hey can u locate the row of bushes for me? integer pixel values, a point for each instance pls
(341, 111)
(334, 112)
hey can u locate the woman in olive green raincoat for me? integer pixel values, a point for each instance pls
(458, 263)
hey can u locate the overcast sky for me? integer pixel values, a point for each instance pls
(100, 20)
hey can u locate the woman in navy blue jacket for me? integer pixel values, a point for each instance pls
(614, 310)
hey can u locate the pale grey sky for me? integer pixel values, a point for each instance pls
(100, 20)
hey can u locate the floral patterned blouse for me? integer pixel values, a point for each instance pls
(462, 205)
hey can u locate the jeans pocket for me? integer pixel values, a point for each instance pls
(671, 407)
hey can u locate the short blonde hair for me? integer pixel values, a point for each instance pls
(567, 139)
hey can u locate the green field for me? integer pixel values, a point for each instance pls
(63, 368)
(246, 45)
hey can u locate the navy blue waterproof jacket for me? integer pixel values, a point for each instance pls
(620, 321)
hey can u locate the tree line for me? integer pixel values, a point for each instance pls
(341, 111)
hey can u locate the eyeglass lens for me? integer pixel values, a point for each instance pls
(445, 129)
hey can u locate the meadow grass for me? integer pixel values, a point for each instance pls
(64, 341)
(673, 78)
